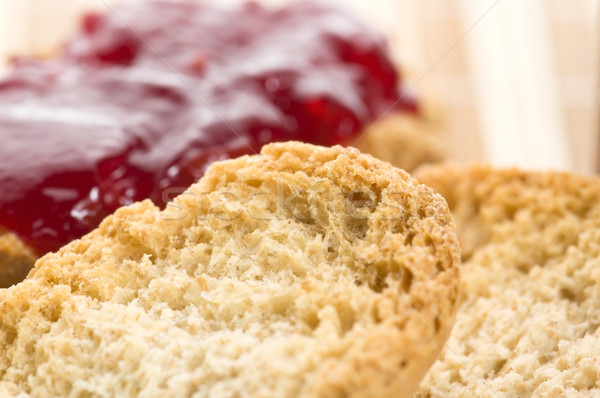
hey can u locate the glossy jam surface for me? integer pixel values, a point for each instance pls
(143, 99)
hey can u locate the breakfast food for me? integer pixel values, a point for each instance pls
(404, 140)
(142, 99)
(302, 271)
(15, 259)
(528, 322)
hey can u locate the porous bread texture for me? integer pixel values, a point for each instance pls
(301, 272)
(528, 322)
(16, 259)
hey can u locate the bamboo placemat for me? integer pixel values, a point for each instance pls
(516, 80)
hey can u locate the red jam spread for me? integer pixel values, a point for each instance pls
(144, 98)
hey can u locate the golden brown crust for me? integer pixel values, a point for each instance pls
(528, 322)
(305, 271)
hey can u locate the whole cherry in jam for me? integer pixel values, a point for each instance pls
(142, 100)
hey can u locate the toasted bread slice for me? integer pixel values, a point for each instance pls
(407, 140)
(528, 322)
(301, 272)
(16, 259)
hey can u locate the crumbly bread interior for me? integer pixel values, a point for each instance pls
(301, 272)
(528, 322)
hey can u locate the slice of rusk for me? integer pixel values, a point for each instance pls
(300, 272)
(528, 322)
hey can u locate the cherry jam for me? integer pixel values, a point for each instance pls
(142, 100)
